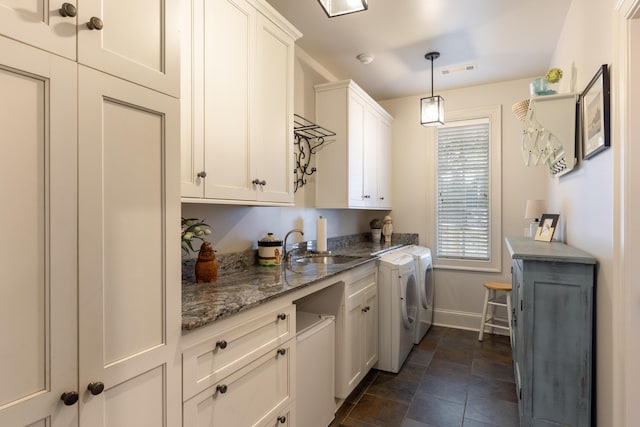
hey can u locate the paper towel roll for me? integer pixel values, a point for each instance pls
(321, 234)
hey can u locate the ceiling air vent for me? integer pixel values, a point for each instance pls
(457, 69)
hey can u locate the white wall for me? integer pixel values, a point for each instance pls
(237, 228)
(585, 198)
(459, 295)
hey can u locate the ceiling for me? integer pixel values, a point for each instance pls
(503, 39)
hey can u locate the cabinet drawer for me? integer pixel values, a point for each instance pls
(255, 395)
(284, 418)
(208, 362)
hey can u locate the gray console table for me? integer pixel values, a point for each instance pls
(552, 337)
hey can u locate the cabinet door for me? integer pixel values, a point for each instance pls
(370, 325)
(369, 156)
(229, 44)
(40, 24)
(383, 173)
(272, 143)
(139, 41)
(356, 131)
(517, 341)
(38, 323)
(353, 351)
(193, 173)
(129, 253)
(251, 396)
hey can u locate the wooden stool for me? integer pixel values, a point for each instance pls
(491, 298)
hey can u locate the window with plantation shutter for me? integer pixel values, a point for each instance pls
(463, 190)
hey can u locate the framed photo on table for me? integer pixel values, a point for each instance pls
(548, 224)
(595, 106)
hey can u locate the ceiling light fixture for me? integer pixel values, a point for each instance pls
(342, 7)
(365, 58)
(432, 107)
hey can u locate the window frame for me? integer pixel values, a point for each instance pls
(494, 264)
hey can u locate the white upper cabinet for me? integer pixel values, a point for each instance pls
(237, 103)
(39, 23)
(135, 40)
(354, 171)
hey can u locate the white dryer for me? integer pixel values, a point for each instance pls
(424, 271)
(397, 308)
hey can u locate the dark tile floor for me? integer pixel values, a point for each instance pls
(450, 379)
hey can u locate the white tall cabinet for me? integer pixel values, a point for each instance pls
(89, 255)
(354, 171)
(237, 105)
(38, 248)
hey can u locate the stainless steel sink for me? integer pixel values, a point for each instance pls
(325, 259)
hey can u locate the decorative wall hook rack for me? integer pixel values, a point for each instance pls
(309, 137)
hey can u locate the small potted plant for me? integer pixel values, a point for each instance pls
(376, 230)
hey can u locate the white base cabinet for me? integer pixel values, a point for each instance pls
(357, 329)
(243, 374)
(354, 171)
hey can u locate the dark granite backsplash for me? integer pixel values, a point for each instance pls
(239, 261)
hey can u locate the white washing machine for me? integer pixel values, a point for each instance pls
(424, 271)
(397, 308)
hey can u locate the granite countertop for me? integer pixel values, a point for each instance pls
(234, 292)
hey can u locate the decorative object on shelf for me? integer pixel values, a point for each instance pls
(432, 107)
(376, 230)
(193, 228)
(335, 8)
(548, 224)
(540, 86)
(270, 250)
(594, 114)
(387, 228)
(533, 210)
(309, 137)
(520, 109)
(206, 265)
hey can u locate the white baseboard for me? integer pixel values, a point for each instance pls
(461, 320)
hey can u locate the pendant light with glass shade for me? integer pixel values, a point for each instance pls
(432, 107)
(342, 7)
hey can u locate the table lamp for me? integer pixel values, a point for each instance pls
(534, 210)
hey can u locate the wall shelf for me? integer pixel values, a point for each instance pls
(308, 138)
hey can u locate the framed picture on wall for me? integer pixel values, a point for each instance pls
(595, 114)
(548, 224)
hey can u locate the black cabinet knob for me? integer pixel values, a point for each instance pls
(69, 398)
(222, 388)
(282, 419)
(96, 388)
(282, 351)
(282, 316)
(222, 344)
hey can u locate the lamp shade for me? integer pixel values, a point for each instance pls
(432, 111)
(342, 7)
(534, 209)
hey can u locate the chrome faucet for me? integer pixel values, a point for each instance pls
(286, 254)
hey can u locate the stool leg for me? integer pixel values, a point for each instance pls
(509, 316)
(484, 313)
(493, 296)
